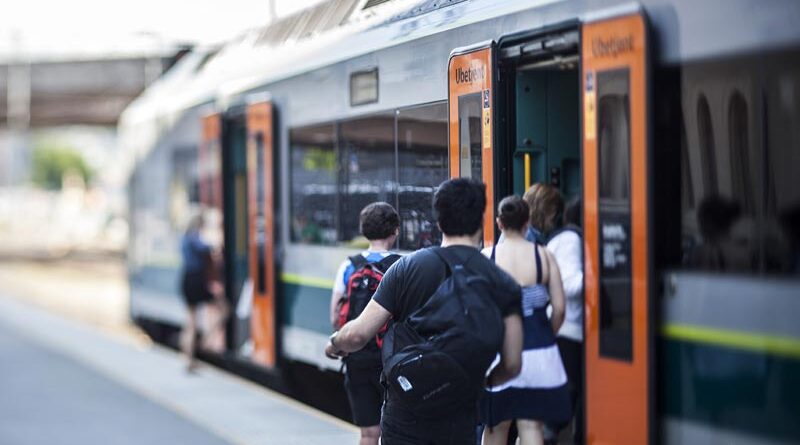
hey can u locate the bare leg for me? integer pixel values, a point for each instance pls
(370, 435)
(189, 335)
(496, 435)
(531, 432)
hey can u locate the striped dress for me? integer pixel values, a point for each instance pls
(539, 392)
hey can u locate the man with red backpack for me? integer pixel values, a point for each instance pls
(356, 281)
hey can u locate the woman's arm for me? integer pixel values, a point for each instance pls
(511, 352)
(556, 289)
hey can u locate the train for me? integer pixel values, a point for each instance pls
(675, 122)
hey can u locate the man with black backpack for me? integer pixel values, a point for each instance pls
(452, 312)
(356, 281)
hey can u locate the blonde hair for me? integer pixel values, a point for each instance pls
(546, 204)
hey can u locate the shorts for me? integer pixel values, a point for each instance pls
(400, 427)
(194, 287)
(365, 394)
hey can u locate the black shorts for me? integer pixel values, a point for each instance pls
(194, 287)
(365, 393)
(400, 426)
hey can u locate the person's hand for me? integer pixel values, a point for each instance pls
(331, 350)
(333, 353)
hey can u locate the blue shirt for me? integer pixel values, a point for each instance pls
(195, 252)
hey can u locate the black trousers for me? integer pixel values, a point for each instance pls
(572, 356)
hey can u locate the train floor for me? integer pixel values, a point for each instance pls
(68, 383)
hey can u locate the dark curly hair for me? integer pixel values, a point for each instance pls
(459, 204)
(513, 212)
(378, 220)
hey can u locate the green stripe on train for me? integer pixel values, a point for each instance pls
(755, 342)
(321, 283)
(707, 380)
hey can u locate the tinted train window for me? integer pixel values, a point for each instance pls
(423, 165)
(314, 197)
(739, 178)
(614, 209)
(367, 159)
(469, 135)
(707, 148)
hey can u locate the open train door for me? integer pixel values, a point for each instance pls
(261, 217)
(470, 100)
(619, 321)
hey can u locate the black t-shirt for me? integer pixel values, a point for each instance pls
(414, 278)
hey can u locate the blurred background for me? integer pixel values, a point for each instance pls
(67, 71)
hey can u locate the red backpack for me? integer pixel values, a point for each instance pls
(361, 286)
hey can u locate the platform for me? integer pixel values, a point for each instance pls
(67, 383)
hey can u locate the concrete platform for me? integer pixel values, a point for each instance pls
(63, 382)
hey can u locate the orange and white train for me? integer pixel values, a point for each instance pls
(677, 123)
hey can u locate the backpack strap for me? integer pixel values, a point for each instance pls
(358, 261)
(387, 262)
(450, 259)
(492, 257)
(568, 228)
(538, 264)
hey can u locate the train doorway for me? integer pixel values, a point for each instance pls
(568, 106)
(234, 165)
(539, 113)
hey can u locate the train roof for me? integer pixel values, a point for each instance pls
(686, 29)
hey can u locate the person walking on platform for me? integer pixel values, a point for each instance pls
(452, 312)
(539, 394)
(566, 245)
(355, 283)
(199, 285)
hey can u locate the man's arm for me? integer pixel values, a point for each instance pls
(510, 353)
(356, 334)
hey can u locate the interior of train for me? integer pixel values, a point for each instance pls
(539, 92)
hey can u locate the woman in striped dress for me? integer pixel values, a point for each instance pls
(539, 394)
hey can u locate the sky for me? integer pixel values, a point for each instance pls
(43, 29)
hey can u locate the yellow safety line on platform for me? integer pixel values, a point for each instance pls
(771, 344)
(321, 283)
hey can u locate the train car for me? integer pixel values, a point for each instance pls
(675, 123)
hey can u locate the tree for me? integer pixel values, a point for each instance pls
(52, 162)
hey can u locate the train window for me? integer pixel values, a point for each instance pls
(614, 208)
(708, 152)
(781, 196)
(423, 165)
(367, 159)
(744, 218)
(740, 156)
(469, 135)
(314, 197)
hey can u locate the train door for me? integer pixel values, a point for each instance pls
(619, 322)
(470, 100)
(262, 240)
(210, 190)
(234, 185)
(539, 112)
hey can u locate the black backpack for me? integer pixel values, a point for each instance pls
(436, 360)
